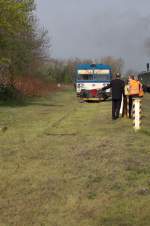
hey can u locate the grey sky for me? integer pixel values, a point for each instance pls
(98, 28)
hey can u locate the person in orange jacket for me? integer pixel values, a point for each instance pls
(135, 90)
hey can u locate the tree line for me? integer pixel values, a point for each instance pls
(64, 71)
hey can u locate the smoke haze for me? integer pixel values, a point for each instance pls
(98, 28)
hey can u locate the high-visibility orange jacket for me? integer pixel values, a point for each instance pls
(141, 92)
(135, 88)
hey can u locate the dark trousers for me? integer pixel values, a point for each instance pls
(116, 108)
(125, 106)
(131, 97)
(130, 106)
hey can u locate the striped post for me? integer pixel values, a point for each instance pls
(136, 112)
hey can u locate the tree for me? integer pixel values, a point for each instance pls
(116, 63)
(130, 72)
(14, 20)
(22, 43)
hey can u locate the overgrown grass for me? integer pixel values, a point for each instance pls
(65, 163)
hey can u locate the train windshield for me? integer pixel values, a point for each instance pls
(102, 77)
(99, 75)
(85, 77)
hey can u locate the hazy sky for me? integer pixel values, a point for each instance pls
(98, 28)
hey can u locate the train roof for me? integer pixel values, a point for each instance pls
(93, 66)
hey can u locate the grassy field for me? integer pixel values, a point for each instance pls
(65, 163)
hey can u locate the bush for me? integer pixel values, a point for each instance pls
(9, 92)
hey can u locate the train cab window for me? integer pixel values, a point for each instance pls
(85, 77)
(102, 77)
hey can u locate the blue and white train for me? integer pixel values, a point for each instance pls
(90, 78)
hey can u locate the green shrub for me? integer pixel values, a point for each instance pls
(9, 92)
